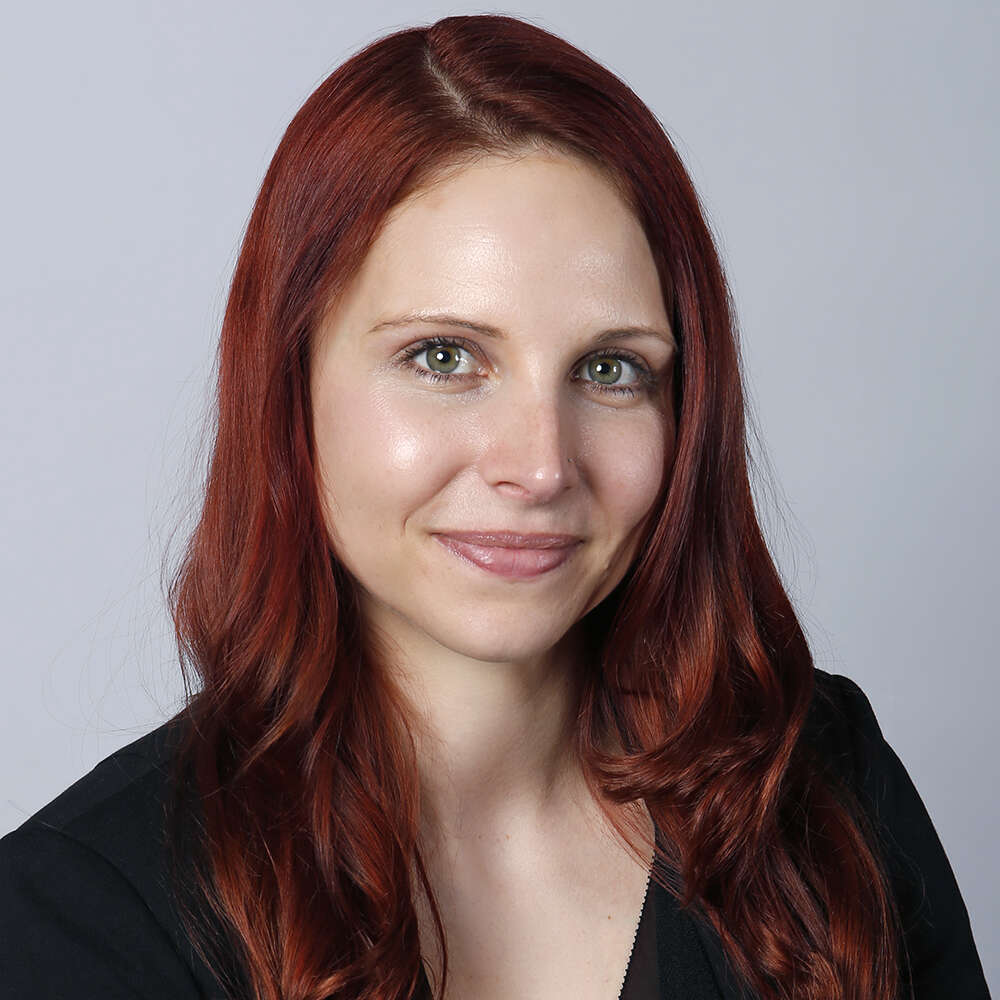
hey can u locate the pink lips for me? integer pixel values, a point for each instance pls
(511, 555)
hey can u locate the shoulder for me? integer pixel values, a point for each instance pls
(843, 729)
(841, 726)
(132, 777)
(85, 901)
(840, 710)
(115, 812)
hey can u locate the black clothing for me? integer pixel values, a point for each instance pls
(86, 910)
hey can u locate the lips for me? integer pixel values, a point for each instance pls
(512, 539)
(529, 556)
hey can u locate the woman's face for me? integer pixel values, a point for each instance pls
(518, 430)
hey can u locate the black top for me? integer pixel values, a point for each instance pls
(86, 910)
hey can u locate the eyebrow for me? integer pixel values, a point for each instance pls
(448, 319)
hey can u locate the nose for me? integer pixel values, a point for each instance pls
(528, 448)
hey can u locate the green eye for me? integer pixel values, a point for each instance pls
(438, 356)
(604, 369)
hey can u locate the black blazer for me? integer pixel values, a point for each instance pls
(86, 912)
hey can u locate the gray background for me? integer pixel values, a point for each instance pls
(847, 158)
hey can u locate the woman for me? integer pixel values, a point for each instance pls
(499, 692)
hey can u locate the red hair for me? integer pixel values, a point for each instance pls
(303, 768)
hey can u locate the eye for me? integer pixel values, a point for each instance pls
(605, 367)
(608, 366)
(441, 352)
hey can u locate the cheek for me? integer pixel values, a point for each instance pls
(627, 466)
(376, 454)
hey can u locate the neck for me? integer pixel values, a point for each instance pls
(495, 741)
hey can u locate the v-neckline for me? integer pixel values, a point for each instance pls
(642, 975)
(675, 955)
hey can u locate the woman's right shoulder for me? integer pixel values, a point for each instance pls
(85, 901)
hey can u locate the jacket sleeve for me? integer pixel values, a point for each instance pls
(73, 927)
(944, 962)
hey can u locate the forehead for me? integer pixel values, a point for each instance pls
(510, 237)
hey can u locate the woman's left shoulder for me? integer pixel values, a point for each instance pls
(843, 728)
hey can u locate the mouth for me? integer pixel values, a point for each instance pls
(512, 539)
(511, 555)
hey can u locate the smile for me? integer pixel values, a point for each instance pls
(514, 563)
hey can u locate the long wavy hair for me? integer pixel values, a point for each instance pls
(298, 750)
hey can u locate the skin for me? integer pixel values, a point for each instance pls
(542, 247)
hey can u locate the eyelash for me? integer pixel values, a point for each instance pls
(647, 379)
